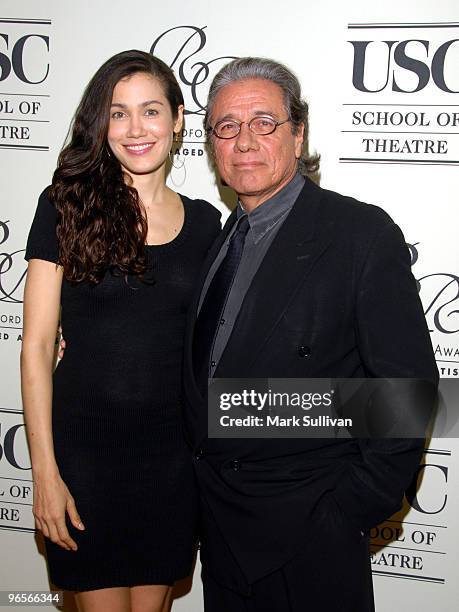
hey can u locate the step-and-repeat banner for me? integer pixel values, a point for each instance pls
(382, 80)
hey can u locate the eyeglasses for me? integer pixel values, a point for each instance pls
(261, 126)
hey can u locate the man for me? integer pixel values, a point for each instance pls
(302, 283)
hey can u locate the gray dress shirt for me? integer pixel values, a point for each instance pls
(265, 221)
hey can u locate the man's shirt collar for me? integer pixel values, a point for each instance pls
(265, 216)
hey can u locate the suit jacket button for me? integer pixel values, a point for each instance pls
(199, 455)
(304, 351)
(235, 465)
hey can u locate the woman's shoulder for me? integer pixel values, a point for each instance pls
(203, 219)
(201, 207)
(44, 198)
(42, 240)
(45, 210)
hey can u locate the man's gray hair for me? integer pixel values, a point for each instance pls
(262, 68)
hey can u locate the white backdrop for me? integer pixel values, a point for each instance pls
(382, 80)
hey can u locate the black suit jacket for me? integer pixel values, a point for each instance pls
(334, 297)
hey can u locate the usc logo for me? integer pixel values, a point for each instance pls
(14, 53)
(12, 440)
(397, 56)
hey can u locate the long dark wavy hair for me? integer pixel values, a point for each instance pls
(100, 223)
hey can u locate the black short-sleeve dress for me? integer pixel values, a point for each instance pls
(116, 412)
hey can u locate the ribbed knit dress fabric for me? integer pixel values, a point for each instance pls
(116, 412)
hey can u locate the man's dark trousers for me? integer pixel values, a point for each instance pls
(331, 572)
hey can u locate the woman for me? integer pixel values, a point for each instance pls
(119, 252)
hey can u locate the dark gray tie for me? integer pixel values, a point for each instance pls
(214, 302)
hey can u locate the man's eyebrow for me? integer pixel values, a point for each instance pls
(257, 113)
(225, 117)
(264, 113)
(143, 104)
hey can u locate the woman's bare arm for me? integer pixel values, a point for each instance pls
(41, 313)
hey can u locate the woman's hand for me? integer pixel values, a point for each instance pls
(51, 501)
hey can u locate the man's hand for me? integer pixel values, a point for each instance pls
(62, 345)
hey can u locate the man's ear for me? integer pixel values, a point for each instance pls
(299, 139)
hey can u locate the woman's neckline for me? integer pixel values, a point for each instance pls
(183, 230)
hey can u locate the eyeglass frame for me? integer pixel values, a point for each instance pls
(240, 123)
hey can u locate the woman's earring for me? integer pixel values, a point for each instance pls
(179, 169)
(177, 164)
(173, 164)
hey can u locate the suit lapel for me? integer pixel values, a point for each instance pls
(300, 242)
